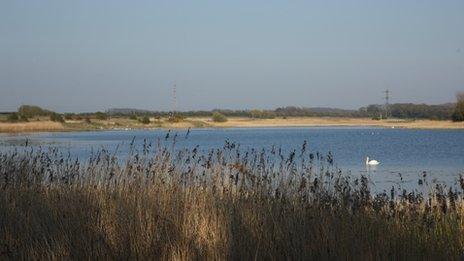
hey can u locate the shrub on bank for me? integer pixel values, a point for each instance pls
(176, 117)
(218, 117)
(262, 114)
(101, 116)
(458, 114)
(31, 111)
(23, 118)
(56, 117)
(69, 116)
(14, 117)
(145, 120)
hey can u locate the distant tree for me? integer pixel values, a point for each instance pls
(14, 117)
(262, 114)
(23, 118)
(421, 111)
(101, 115)
(218, 117)
(30, 111)
(68, 116)
(458, 114)
(374, 111)
(56, 117)
(133, 117)
(176, 117)
(145, 120)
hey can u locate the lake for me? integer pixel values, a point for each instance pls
(404, 154)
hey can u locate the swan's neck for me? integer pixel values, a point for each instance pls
(367, 160)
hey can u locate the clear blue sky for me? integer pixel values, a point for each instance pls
(92, 55)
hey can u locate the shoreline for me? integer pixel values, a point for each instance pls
(121, 124)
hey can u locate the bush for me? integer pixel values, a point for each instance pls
(219, 117)
(23, 118)
(133, 117)
(14, 117)
(176, 118)
(262, 114)
(68, 116)
(30, 111)
(458, 114)
(101, 116)
(56, 117)
(145, 120)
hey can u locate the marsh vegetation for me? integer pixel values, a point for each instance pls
(226, 203)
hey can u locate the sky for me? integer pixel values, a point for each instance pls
(87, 55)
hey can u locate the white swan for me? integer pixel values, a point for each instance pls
(371, 162)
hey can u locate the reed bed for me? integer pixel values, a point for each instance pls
(228, 203)
(9, 127)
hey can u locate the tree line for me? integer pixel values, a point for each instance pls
(398, 110)
(450, 111)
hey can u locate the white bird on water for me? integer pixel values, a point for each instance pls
(371, 162)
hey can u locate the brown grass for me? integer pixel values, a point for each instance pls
(31, 126)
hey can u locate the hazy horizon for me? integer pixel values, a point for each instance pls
(90, 56)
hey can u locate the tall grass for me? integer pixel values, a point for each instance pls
(228, 203)
(9, 127)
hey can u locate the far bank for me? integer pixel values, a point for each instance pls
(122, 123)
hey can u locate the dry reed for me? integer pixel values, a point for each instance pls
(31, 126)
(228, 203)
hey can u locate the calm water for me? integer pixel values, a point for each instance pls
(410, 152)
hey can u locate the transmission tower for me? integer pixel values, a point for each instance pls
(387, 102)
(174, 101)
